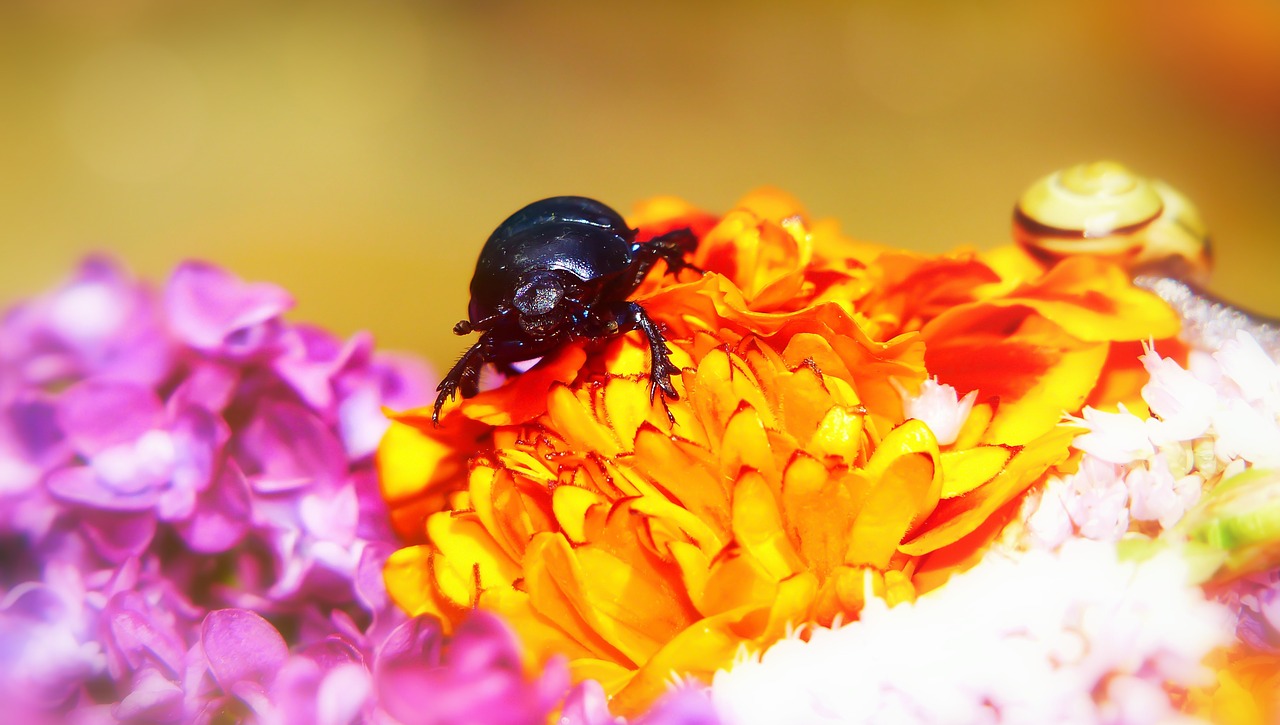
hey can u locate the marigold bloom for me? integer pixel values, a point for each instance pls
(641, 540)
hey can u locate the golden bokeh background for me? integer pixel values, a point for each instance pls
(360, 153)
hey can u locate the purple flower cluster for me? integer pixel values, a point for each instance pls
(191, 528)
(1256, 601)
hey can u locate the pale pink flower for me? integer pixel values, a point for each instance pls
(1183, 403)
(1114, 437)
(1073, 635)
(938, 406)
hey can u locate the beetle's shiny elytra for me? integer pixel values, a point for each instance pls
(556, 271)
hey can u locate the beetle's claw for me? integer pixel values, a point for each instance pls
(446, 390)
(660, 379)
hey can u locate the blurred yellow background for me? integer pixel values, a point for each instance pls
(360, 153)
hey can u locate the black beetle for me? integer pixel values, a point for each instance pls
(560, 270)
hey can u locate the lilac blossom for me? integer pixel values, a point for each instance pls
(192, 529)
(1256, 599)
(98, 323)
(167, 455)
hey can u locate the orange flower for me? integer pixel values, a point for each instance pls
(644, 540)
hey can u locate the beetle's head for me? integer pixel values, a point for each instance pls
(538, 304)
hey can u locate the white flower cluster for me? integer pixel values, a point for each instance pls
(1214, 418)
(1072, 635)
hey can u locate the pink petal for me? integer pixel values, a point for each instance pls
(154, 698)
(242, 647)
(137, 637)
(417, 642)
(216, 312)
(82, 485)
(587, 705)
(198, 438)
(209, 385)
(119, 536)
(482, 642)
(310, 360)
(222, 515)
(287, 442)
(97, 414)
(343, 693)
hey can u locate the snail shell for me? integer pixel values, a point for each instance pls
(1104, 209)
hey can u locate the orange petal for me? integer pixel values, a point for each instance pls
(684, 479)
(1035, 370)
(574, 419)
(1093, 300)
(524, 397)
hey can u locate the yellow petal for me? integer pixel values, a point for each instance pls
(913, 436)
(570, 505)
(965, 470)
(904, 493)
(626, 406)
(541, 637)
(956, 517)
(415, 471)
(467, 559)
(746, 445)
(698, 652)
(757, 527)
(408, 578)
(737, 579)
(839, 433)
(555, 585)
(1033, 367)
(820, 509)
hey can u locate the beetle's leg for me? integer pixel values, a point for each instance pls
(466, 327)
(464, 376)
(631, 316)
(672, 248)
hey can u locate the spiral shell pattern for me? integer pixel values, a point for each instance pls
(1105, 209)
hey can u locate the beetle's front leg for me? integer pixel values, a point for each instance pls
(672, 248)
(631, 316)
(464, 376)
